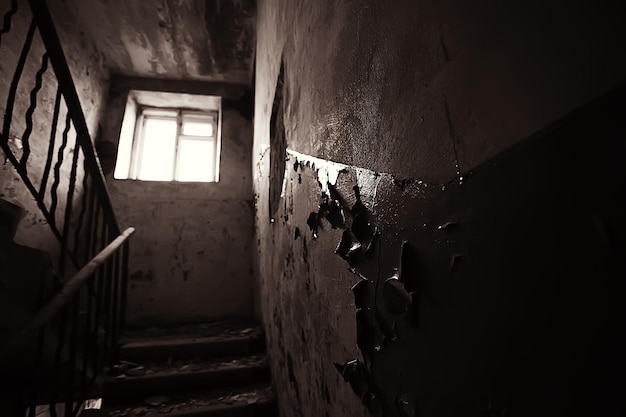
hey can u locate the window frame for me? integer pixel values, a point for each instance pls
(179, 114)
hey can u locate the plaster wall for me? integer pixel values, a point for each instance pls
(174, 39)
(191, 256)
(90, 75)
(374, 81)
(431, 108)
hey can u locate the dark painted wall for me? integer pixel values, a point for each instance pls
(191, 256)
(515, 242)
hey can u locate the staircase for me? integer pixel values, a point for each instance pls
(201, 370)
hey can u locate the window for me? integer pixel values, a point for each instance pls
(172, 145)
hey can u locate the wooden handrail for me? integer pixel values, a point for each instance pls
(53, 306)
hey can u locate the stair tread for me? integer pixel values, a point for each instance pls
(182, 367)
(180, 341)
(192, 403)
(201, 370)
(199, 331)
(205, 340)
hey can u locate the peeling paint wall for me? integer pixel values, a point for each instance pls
(504, 304)
(191, 256)
(91, 78)
(174, 39)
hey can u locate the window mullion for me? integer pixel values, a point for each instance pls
(217, 142)
(179, 129)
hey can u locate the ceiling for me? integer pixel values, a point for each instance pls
(211, 40)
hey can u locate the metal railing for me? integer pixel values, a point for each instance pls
(70, 342)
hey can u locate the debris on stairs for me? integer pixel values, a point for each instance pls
(254, 401)
(201, 370)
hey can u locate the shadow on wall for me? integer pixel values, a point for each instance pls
(497, 294)
(278, 145)
(27, 282)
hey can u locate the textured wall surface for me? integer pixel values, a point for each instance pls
(191, 256)
(91, 79)
(514, 250)
(174, 39)
(373, 81)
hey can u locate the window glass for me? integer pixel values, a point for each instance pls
(125, 147)
(197, 128)
(196, 160)
(163, 144)
(159, 147)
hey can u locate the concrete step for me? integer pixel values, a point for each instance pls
(185, 375)
(255, 401)
(206, 340)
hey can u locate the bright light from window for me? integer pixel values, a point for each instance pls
(194, 155)
(171, 145)
(159, 146)
(197, 128)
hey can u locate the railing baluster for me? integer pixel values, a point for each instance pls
(81, 216)
(106, 273)
(87, 326)
(30, 111)
(91, 222)
(32, 406)
(53, 410)
(73, 352)
(98, 285)
(53, 134)
(90, 336)
(124, 294)
(39, 359)
(58, 357)
(96, 239)
(6, 24)
(57, 169)
(37, 362)
(8, 112)
(53, 45)
(69, 204)
(115, 277)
